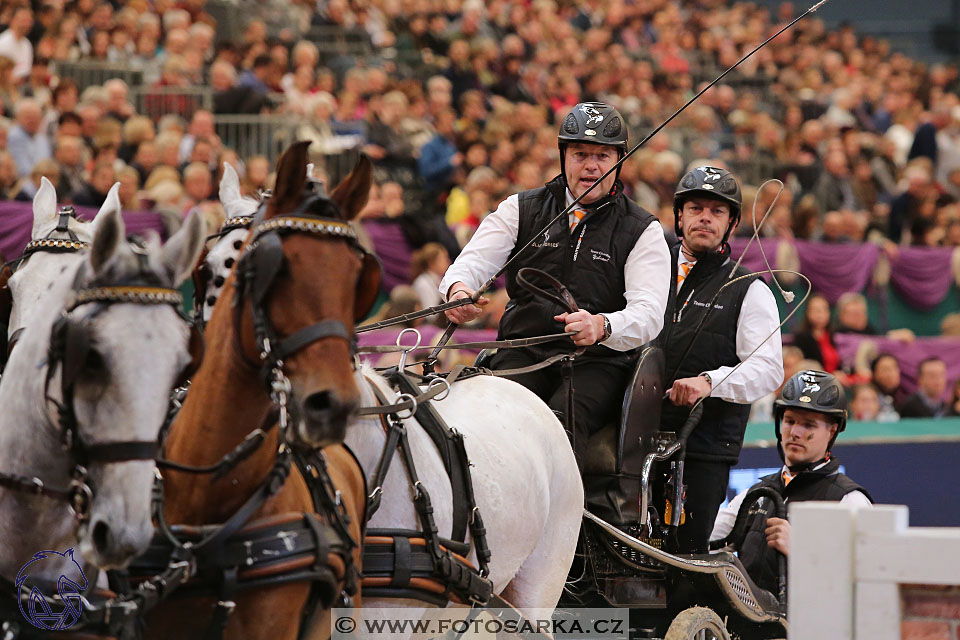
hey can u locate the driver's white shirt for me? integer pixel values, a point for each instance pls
(646, 273)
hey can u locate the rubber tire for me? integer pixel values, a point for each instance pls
(693, 620)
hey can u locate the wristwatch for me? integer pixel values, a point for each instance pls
(607, 330)
(709, 380)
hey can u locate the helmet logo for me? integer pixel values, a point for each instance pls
(708, 187)
(711, 177)
(810, 385)
(593, 115)
(805, 399)
(590, 132)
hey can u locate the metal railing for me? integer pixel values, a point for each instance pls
(88, 73)
(156, 102)
(250, 135)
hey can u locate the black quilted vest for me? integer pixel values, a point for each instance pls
(589, 260)
(719, 435)
(825, 484)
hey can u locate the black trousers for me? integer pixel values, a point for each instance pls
(706, 489)
(598, 392)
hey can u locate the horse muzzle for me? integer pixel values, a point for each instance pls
(323, 418)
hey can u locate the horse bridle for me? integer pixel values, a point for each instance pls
(53, 242)
(70, 344)
(260, 265)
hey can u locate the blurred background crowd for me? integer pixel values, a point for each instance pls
(457, 102)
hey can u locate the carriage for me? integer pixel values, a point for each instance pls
(633, 482)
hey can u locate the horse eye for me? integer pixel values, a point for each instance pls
(94, 362)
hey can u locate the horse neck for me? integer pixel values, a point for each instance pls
(227, 400)
(30, 447)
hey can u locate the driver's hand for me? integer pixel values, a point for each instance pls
(778, 535)
(686, 391)
(468, 312)
(586, 327)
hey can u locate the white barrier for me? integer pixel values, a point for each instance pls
(846, 565)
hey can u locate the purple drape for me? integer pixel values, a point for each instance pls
(392, 248)
(16, 223)
(754, 259)
(922, 276)
(833, 269)
(908, 355)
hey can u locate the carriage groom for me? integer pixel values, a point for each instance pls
(610, 253)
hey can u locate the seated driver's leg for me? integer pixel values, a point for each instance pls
(597, 398)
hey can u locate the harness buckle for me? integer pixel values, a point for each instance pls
(37, 485)
(444, 394)
(407, 350)
(265, 348)
(81, 495)
(410, 410)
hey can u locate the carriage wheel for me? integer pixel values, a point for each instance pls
(697, 623)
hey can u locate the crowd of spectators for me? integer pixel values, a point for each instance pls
(457, 103)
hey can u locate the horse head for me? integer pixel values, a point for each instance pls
(114, 354)
(302, 283)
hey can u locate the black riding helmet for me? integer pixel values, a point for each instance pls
(710, 182)
(812, 391)
(593, 123)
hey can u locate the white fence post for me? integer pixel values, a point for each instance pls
(820, 567)
(877, 603)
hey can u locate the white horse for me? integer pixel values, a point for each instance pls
(120, 394)
(525, 479)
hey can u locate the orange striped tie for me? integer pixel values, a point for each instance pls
(683, 272)
(787, 477)
(577, 217)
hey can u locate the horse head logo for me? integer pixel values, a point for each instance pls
(593, 115)
(36, 607)
(810, 384)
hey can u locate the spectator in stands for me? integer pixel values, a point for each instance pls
(814, 338)
(885, 370)
(865, 403)
(25, 140)
(201, 126)
(118, 105)
(136, 131)
(28, 187)
(37, 84)
(852, 315)
(439, 158)
(955, 400)
(257, 77)
(427, 266)
(928, 400)
(197, 183)
(228, 97)
(69, 155)
(257, 175)
(90, 115)
(129, 191)
(8, 175)
(906, 207)
(94, 192)
(388, 147)
(64, 98)
(70, 124)
(9, 93)
(834, 190)
(15, 45)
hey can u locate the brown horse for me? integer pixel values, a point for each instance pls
(312, 279)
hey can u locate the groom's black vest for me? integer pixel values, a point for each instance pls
(589, 260)
(719, 435)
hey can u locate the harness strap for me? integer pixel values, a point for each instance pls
(296, 341)
(512, 343)
(121, 451)
(412, 402)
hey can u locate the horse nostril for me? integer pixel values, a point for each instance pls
(318, 405)
(101, 537)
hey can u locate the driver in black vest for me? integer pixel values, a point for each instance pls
(610, 253)
(809, 415)
(707, 332)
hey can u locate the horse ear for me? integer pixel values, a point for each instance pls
(352, 193)
(291, 178)
(108, 231)
(180, 253)
(229, 185)
(44, 206)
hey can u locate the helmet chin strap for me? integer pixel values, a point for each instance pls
(807, 466)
